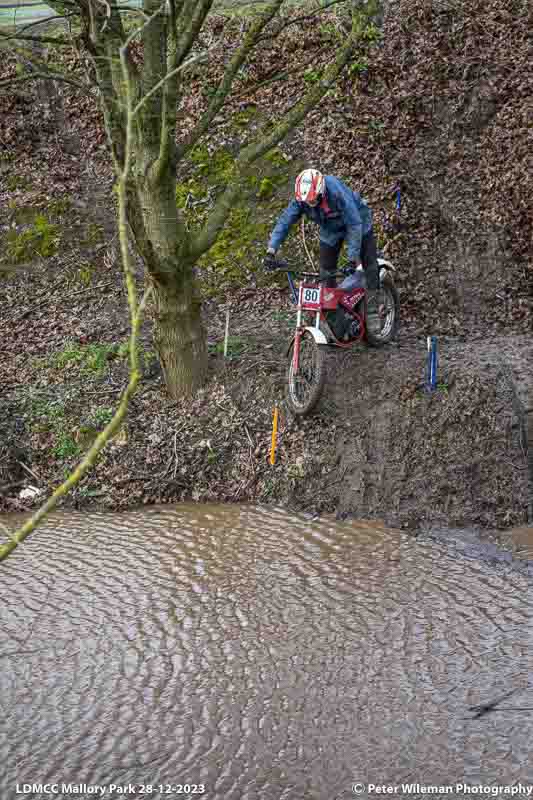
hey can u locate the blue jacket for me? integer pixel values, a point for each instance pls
(343, 214)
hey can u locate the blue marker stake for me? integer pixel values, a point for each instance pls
(431, 379)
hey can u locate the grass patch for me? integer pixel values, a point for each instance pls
(89, 359)
(41, 207)
(56, 208)
(94, 234)
(87, 431)
(84, 274)
(102, 416)
(312, 75)
(267, 187)
(47, 416)
(217, 166)
(68, 432)
(66, 447)
(243, 118)
(14, 182)
(43, 413)
(40, 239)
(358, 67)
(237, 345)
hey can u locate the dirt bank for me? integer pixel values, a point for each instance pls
(378, 446)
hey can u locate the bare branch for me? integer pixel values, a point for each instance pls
(302, 18)
(50, 76)
(129, 136)
(193, 27)
(276, 76)
(173, 29)
(208, 235)
(39, 39)
(167, 142)
(92, 454)
(136, 313)
(154, 67)
(154, 89)
(225, 85)
(107, 14)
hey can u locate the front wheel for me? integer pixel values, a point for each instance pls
(304, 387)
(382, 326)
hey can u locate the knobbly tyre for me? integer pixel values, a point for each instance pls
(340, 320)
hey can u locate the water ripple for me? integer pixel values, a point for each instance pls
(261, 653)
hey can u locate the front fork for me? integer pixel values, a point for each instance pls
(296, 351)
(298, 338)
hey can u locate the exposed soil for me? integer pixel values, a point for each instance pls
(378, 446)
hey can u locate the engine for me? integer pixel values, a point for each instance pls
(354, 326)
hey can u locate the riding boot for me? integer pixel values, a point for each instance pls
(370, 263)
(328, 280)
(337, 321)
(373, 316)
(341, 323)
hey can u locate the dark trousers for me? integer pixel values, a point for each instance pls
(329, 257)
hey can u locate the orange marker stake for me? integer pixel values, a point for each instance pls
(274, 436)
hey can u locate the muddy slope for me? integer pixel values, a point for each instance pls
(457, 456)
(378, 446)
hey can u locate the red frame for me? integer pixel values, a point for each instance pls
(329, 299)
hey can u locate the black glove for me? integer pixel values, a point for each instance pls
(269, 262)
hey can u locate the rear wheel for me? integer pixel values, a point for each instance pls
(305, 387)
(382, 325)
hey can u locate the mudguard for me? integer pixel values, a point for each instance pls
(384, 266)
(317, 335)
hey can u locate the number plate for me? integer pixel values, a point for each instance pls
(310, 297)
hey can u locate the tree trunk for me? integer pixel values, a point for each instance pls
(161, 238)
(180, 338)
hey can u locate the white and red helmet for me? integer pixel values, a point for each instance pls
(309, 186)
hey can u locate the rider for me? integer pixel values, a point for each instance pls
(342, 215)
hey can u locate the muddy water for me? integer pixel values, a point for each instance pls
(521, 541)
(259, 654)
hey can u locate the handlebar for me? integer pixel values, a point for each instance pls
(271, 265)
(282, 264)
